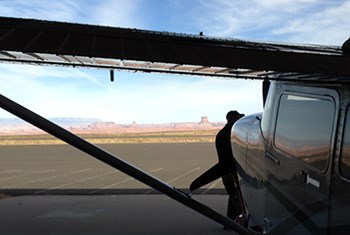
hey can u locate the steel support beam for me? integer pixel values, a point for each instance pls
(115, 162)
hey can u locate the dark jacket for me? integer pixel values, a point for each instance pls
(224, 149)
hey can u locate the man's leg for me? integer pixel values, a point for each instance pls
(234, 205)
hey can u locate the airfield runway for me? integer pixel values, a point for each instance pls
(56, 189)
(62, 169)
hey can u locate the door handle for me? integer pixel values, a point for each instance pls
(272, 158)
(312, 181)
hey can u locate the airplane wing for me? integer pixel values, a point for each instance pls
(56, 43)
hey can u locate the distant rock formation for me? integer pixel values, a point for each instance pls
(205, 121)
(133, 124)
(97, 126)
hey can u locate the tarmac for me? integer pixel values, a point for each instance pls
(56, 189)
(107, 214)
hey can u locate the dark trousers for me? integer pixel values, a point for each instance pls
(234, 207)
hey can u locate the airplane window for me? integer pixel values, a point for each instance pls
(304, 128)
(345, 153)
(266, 118)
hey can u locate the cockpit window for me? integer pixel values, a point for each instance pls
(345, 153)
(266, 118)
(304, 128)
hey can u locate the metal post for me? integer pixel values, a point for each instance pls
(117, 163)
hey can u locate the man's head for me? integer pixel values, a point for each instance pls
(233, 116)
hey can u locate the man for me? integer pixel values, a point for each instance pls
(227, 162)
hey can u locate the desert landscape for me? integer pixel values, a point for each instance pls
(17, 132)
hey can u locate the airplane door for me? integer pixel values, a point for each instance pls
(297, 163)
(339, 221)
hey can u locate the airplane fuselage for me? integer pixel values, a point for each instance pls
(294, 159)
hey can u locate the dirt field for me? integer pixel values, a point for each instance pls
(60, 168)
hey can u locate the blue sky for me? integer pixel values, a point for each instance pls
(161, 98)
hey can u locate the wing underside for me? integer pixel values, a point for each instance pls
(67, 44)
